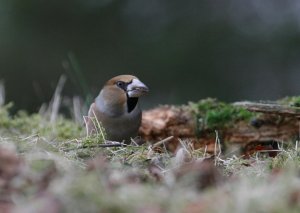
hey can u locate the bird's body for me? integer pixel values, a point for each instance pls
(117, 108)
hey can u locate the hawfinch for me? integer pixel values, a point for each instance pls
(117, 108)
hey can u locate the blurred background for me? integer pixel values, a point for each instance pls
(183, 50)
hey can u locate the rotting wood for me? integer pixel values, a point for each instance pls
(271, 108)
(274, 122)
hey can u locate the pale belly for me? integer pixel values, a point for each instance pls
(123, 127)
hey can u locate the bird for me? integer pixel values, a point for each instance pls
(117, 109)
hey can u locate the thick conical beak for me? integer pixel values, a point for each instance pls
(136, 89)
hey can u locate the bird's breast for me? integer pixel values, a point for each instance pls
(122, 127)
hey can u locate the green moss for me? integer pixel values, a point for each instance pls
(23, 123)
(92, 141)
(66, 129)
(4, 115)
(293, 101)
(213, 114)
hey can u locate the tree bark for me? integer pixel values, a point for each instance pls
(271, 123)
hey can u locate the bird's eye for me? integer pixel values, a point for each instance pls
(121, 84)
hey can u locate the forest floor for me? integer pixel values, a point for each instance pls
(48, 165)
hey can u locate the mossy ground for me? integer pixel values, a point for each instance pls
(44, 167)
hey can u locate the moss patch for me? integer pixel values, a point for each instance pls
(214, 114)
(293, 101)
(23, 123)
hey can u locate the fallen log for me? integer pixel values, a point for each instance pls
(271, 108)
(246, 124)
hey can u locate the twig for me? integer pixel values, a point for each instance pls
(77, 109)
(217, 142)
(106, 145)
(57, 98)
(271, 150)
(98, 124)
(85, 119)
(2, 93)
(168, 139)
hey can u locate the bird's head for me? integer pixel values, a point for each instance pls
(128, 84)
(122, 91)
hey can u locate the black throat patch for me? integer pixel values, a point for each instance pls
(131, 103)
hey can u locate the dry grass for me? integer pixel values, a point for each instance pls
(48, 165)
(43, 176)
(138, 179)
